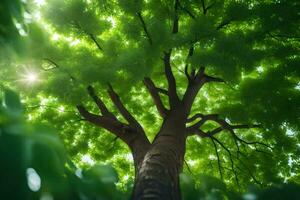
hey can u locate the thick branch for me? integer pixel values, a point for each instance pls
(109, 124)
(144, 27)
(186, 71)
(194, 85)
(203, 7)
(173, 97)
(99, 102)
(206, 8)
(135, 139)
(176, 17)
(124, 112)
(155, 96)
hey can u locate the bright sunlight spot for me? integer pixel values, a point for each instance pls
(61, 109)
(87, 159)
(33, 180)
(260, 69)
(55, 37)
(31, 77)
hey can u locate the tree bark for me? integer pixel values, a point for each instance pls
(158, 175)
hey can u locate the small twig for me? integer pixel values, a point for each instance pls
(219, 162)
(188, 167)
(139, 14)
(231, 160)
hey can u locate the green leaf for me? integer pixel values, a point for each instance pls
(11, 102)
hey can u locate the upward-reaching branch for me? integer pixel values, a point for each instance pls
(173, 97)
(176, 17)
(139, 14)
(186, 70)
(123, 110)
(195, 82)
(99, 103)
(155, 96)
(90, 35)
(206, 8)
(56, 66)
(132, 134)
(93, 38)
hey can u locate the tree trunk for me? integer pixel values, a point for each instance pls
(158, 174)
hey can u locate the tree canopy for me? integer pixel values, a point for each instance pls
(250, 50)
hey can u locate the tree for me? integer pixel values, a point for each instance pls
(227, 73)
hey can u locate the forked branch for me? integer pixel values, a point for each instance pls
(123, 110)
(99, 103)
(224, 125)
(230, 157)
(129, 133)
(107, 123)
(218, 157)
(195, 83)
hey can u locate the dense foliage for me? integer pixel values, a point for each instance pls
(252, 45)
(36, 166)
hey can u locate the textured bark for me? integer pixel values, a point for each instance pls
(158, 174)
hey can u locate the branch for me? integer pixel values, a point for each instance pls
(231, 128)
(196, 116)
(250, 173)
(92, 37)
(187, 11)
(176, 17)
(204, 118)
(230, 157)
(250, 143)
(144, 27)
(219, 162)
(188, 167)
(213, 79)
(204, 8)
(163, 91)
(56, 66)
(223, 126)
(99, 102)
(224, 24)
(190, 54)
(155, 96)
(124, 112)
(173, 97)
(195, 84)
(109, 124)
